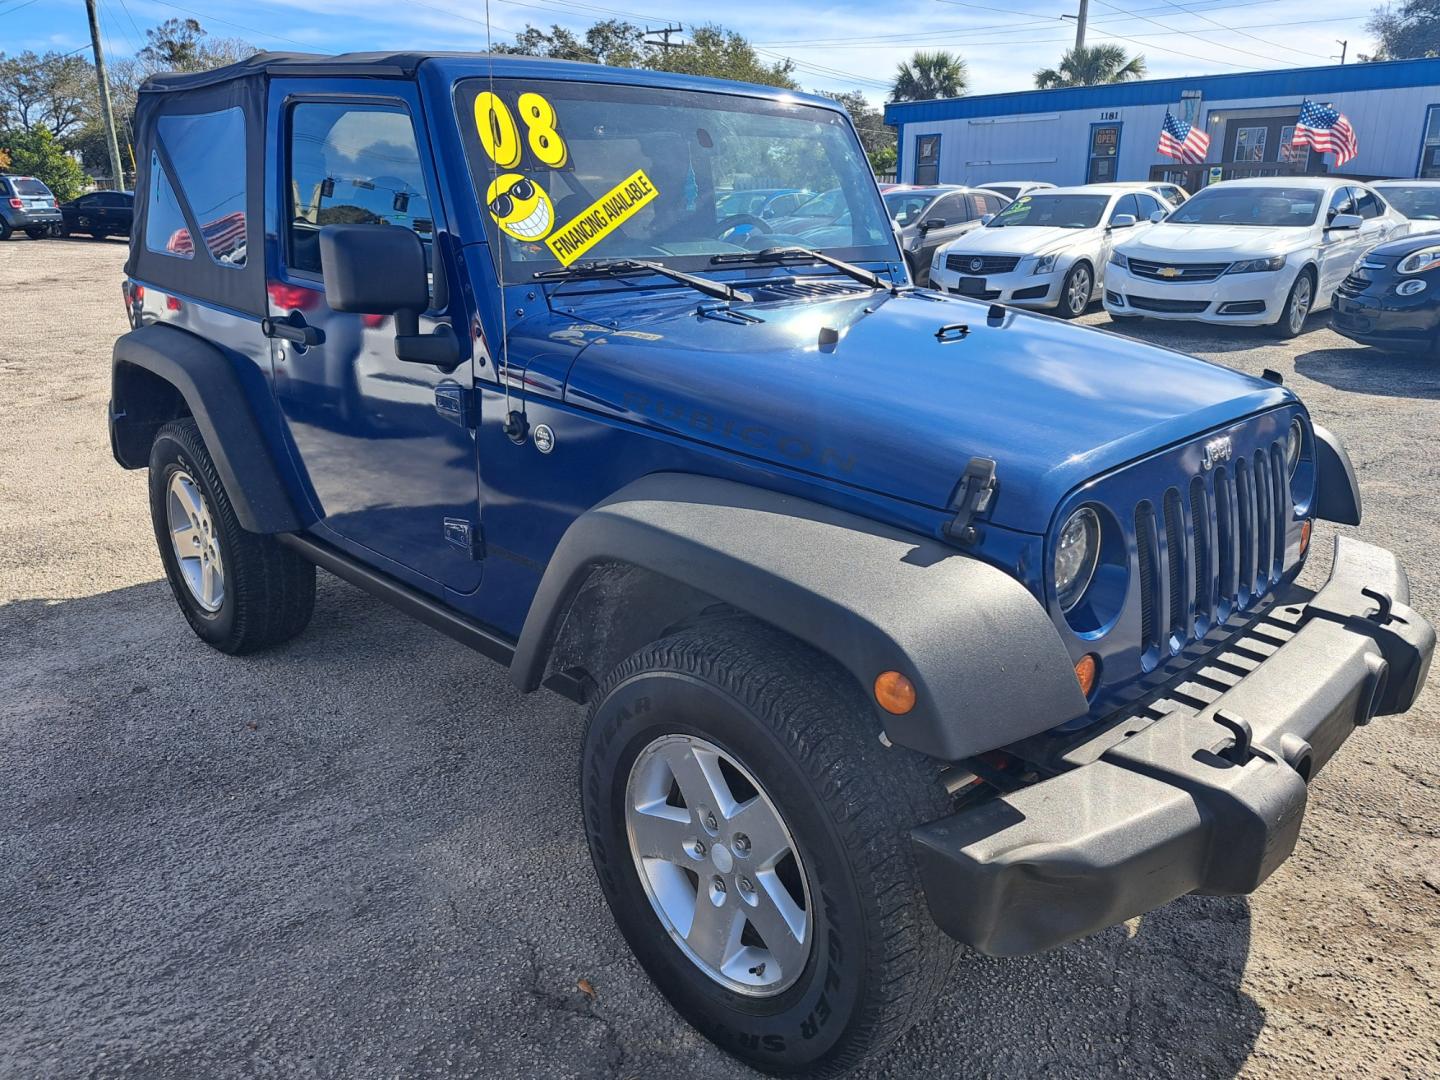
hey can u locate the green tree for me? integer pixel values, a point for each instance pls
(185, 45)
(38, 153)
(928, 75)
(718, 53)
(1410, 30)
(610, 41)
(877, 139)
(1092, 65)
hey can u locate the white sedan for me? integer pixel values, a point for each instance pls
(1047, 249)
(1261, 252)
(1418, 200)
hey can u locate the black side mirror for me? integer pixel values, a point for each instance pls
(380, 270)
(933, 223)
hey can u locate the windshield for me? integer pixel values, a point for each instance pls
(1052, 211)
(1419, 203)
(1288, 207)
(584, 171)
(830, 205)
(26, 185)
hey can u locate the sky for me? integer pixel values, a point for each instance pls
(837, 45)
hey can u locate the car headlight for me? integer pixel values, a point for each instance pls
(1077, 549)
(1294, 440)
(1257, 266)
(1044, 264)
(1419, 261)
(1119, 260)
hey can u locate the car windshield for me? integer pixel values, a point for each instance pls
(907, 206)
(829, 205)
(571, 172)
(1052, 211)
(1419, 203)
(1291, 207)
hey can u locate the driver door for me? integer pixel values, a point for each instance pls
(391, 470)
(1339, 248)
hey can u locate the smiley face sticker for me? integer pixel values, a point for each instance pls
(520, 207)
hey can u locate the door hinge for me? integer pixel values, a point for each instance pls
(465, 536)
(456, 404)
(972, 497)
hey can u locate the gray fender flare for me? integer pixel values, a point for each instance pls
(1337, 492)
(217, 399)
(987, 663)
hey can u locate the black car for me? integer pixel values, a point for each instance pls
(101, 214)
(1392, 297)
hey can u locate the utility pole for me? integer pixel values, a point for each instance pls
(1344, 48)
(116, 170)
(665, 33)
(1080, 25)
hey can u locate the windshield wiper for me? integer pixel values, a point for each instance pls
(622, 267)
(803, 254)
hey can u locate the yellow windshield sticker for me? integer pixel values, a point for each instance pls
(520, 206)
(601, 218)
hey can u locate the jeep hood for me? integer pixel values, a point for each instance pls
(889, 407)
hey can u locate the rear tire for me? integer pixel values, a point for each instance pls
(5, 230)
(37, 232)
(1298, 304)
(786, 735)
(239, 591)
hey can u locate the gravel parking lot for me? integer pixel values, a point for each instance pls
(361, 855)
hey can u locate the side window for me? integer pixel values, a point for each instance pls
(351, 164)
(89, 200)
(985, 204)
(1148, 205)
(1366, 204)
(165, 229)
(208, 151)
(948, 208)
(1340, 203)
(114, 199)
(1126, 204)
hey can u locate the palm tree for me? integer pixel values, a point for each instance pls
(1092, 66)
(928, 75)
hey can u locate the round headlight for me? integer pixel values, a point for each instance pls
(1417, 262)
(1077, 549)
(1294, 440)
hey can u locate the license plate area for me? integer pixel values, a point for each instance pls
(971, 286)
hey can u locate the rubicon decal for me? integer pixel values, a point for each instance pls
(602, 217)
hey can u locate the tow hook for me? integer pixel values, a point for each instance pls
(1383, 616)
(1238, 752)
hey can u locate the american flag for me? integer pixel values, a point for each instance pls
(223, 236)
(1181, 141)
(1327, 130)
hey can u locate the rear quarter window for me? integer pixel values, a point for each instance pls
(208, 152)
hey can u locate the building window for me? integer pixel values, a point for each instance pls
(927, 159)
(1250, 144)
(1430, 152)
(1289, 152)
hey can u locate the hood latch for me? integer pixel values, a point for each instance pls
(973, 496)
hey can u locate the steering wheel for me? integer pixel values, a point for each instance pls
(729, 225)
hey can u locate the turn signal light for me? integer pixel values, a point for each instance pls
(1086, 669)
(894, 692)
(1305, 536)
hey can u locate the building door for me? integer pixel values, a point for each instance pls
(1104, 153)
(927, 159)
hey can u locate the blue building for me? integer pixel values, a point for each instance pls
(1091, 134)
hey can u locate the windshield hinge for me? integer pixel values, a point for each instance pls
(456, 404)
(973, 496)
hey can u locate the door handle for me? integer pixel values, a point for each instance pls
(292, 327)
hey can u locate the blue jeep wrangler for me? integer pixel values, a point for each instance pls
(900, 619)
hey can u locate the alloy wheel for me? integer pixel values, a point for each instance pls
(195, 541)
(1077, 296)
(719, 865)
(1300, 304)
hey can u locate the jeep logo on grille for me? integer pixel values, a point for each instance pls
(1216, 451)
(977, 264)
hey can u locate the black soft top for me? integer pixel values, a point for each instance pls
(374, 64)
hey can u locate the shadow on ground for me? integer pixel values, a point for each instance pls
(1363, 370)
(361, 855)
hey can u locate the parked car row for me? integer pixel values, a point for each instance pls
(1257, 252)
(28, 206)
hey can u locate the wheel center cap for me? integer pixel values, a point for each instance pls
(721, 857)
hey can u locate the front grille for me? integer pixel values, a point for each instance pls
(1175, 307)
(989, 264)
(1353, 285)
(1216, 545)
(1178, 272)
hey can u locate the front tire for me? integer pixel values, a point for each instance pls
(239, 591)
(1297, 307)
(751, 836)
(1076, 291)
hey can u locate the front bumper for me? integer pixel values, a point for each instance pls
(1203, 791)
(1380, 317)
(1018, 288)
(1230, 299)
